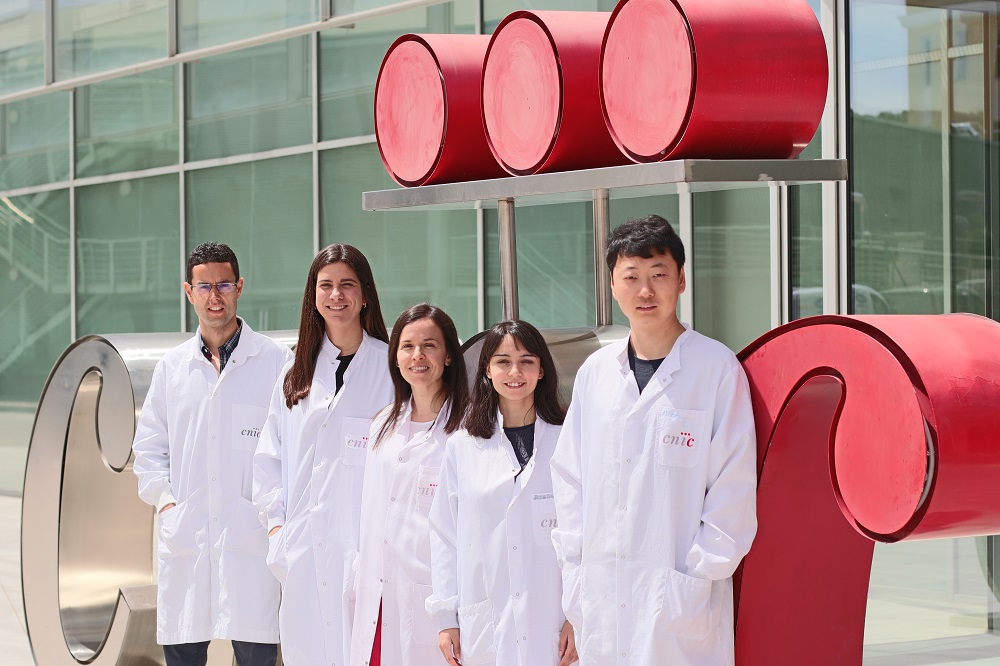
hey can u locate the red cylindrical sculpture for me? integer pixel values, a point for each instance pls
(427, 110)
(713, 78)
(541, 94)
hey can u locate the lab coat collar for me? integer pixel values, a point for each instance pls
(663, 375)
(250, 344)
(329, 352)
(522, 479)
(406, 421)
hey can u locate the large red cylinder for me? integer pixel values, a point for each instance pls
(713, 78)
(427, 110)
(541, 93)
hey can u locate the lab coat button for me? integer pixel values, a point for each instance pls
(517, 594)
(628, 460)
(515, 547)
(624, 508)
(213, 478)
(392, 499)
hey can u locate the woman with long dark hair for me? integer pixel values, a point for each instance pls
(497, 592)
(309, 463)
(391, 625)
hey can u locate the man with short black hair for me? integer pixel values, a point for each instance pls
(654, 474)
(194, 446)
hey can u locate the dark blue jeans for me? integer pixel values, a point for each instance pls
(196, 654)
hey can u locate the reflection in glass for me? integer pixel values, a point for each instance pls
(22, 45)
(350, 59)
(920, 158)
(731, 258)
(127, 256)
(206, 23)
(34, 290)
(99, 35)
(922, 143)
(34, 141)
(263, 210)
(249, 101)
(415, 255)
(127, 124)
(555, 265)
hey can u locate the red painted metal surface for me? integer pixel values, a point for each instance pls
(713, 78)
(879, 428)
(541, 97)
(427, 110)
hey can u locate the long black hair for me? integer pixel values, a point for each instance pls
(481, 419)
(453, 381)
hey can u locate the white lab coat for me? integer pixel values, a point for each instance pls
(493, 567)
(394, 561)
(308, 472)
(656, 498)
(194, 445)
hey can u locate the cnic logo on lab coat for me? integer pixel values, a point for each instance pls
(684, 439)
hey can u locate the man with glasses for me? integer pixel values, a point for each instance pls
(194, 446)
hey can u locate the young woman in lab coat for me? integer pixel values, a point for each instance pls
(496, 586)
(309, 463)
(391, 625)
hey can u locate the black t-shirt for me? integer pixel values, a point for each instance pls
(522, 438)
(642, 369)
(341, 369)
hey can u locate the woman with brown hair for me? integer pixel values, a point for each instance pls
(391, 625)
(309, 463)
(497, 591)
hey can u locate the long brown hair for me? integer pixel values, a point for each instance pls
(312, 327)
(481, 418)
(454, 382)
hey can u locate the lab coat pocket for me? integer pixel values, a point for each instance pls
(427, 482)
(176, 536)
(277, 560)
(687, 607)
(680, 434)
(423, 630)
(354, 441)
(477, 634)
(244, 531)
(543, 515)
(246, 424)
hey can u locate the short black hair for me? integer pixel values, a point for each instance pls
(212, 253)
(643, 237)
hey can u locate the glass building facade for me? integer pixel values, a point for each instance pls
(131, 131)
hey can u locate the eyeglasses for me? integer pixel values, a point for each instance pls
(204, 289)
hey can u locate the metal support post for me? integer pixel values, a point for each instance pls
(508, 258)
(602, 279)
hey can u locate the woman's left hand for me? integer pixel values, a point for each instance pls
(567, 646)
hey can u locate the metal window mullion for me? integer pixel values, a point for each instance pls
(836, 232)
(685, 214)
(481, 286)
(784, 276)
(172, 28)
(775, 224)
(73, 303)
(314, 89)
(49, 40)
(946, 106)
(602, 280)
(181, 91)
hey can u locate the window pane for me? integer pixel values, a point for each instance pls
(350, 59)
(263, 210)
(555, 265)
(127, 124)
(415, 255)
(128, 256)
(98, 35)
(210, 22)
(34, 146)
(249, 101)
(732, 265)
(22, 50)
(34, 314)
